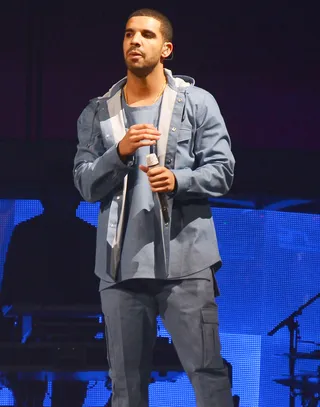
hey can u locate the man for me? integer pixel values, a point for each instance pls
(146, 267)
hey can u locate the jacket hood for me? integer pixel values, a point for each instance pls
(177, 82)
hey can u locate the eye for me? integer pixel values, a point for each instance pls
(148, 34)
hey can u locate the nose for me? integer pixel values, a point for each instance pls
(136, 39)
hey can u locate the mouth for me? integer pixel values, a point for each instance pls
(134, 54)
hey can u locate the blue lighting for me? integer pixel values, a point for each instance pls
(271, 266)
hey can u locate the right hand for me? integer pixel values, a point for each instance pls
(137, 136)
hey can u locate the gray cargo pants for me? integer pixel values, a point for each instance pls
(189, 313)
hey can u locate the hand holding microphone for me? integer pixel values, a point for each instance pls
(161, 180)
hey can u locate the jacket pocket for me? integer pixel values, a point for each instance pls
(184, 135)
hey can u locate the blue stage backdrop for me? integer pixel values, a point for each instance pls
(271, 267)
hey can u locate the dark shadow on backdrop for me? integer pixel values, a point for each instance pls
(50, 261)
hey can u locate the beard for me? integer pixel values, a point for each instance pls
(143, 70)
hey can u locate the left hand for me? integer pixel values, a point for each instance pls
(160, 178)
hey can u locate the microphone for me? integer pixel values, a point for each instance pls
(152, 162)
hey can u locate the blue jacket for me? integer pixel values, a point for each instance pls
(194, 145)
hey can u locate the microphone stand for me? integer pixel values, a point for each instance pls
(293, 326)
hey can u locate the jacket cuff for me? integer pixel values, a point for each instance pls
(111, 161)
(128, 161)
(183, 180)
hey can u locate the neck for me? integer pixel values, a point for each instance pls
(139, 89)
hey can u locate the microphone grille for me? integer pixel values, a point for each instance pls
(152, 160)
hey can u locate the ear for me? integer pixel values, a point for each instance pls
(167, 50)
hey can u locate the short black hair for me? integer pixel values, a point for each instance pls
(166, 26)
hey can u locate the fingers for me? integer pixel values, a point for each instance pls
(160, 172)
(144, 143)
(156, 174)
(160, 178)
(143, 126)
(160, 186)
(142, 131)
(137, 136)
(157, 178)
(144, 168)
(136, 139)
(144, 134)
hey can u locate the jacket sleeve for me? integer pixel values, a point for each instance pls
(214, 162)
(97, 171)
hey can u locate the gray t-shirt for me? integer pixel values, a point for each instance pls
(138, 259)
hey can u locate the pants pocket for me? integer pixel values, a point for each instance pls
(211, 340)
(108, 343)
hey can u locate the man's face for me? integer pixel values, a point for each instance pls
(143, 45)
